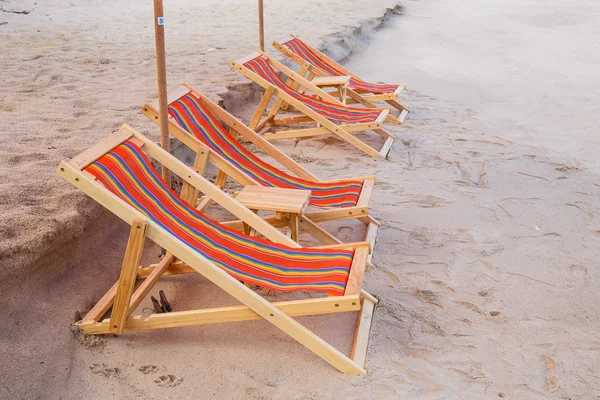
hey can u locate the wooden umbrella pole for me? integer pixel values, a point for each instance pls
(161, 75)
(261, 26)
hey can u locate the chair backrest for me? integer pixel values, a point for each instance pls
(194, 117)
(310, 55)
(261, 66)
(127, 172)
(330, 67)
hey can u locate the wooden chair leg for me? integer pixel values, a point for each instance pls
(363, 332)
(151, 280)
(371, 237)
(294, 226)
(131, 261)
(397, 105)
(387, 146)
(221, 179)
(262, 106)
(317, 232)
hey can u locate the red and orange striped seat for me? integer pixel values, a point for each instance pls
(127, 172)
(195, 118)
(300, 48)
(331, 111)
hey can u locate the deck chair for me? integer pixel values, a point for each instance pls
(331, 115)
(314, 63)
(197, 122)
(118, 174)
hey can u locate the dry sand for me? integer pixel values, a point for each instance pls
(486, 266)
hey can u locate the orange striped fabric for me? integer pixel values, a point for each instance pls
(309, 55)
(195, 118)
(127, 172)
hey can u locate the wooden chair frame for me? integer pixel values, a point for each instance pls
(324, 126)
(182, 259)
(353, 97)
(310, 220)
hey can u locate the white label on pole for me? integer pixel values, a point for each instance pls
(161, 20)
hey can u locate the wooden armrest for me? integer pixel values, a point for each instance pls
(331, 80)
(357, 178)
(274, 199)
(344, 246)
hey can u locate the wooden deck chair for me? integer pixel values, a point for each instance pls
(117, 173)
(314, 63)
(197, 122)
(330, 114)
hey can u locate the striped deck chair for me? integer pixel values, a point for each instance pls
(117, 173)
(331, 115)
(314, 63)
(198, 122)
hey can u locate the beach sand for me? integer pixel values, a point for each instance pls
(486, 264)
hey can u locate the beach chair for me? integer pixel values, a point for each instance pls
(316, 64)
(330, 114)
(117, 173)
(197, 122)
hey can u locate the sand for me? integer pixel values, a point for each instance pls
(486, 265)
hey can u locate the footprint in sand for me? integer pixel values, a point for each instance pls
(344, 232)
(105, 370)
(168, 381)
(148, 369)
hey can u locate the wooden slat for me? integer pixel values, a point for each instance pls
(355, 178)
(365, 193)
(317, 232)
(344, 246)
(295, 308)
(384, 113)
(365, 294)
(103, 305)
(149, 282)
(387, 146)
(133, 254)
(99, 149)
(189, 193)
(357, 271)
(294, 226)
(274, 199)
(337, 214)
(402, 116)
(175, 268)
(262, 106)
(363, 332)
(323, 81)
(290, 120)
(297, 133)
(295, 85)
(371, 237)
(383, 133)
